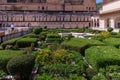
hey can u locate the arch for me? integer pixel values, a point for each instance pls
(117, 22)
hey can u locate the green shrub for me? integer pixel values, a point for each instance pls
(112, 42)
(113, 33)
(49, 77)
(37, 30)
(80, 44)
(53, 36)
(101, 36)
(26, 42)
(99, 77)
(44, 77)
(6, 55)
(76, 77)
(102, 56)
(90, 72)
(9, 42)
(2, 73)
(43, 45)
(113, 68)
(116, 36)
(45, 57)
(43, 36)
(30, 36)
(109, 29)
(63, 69)
(52, 40)
(21, 66)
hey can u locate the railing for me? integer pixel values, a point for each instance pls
(14, 34)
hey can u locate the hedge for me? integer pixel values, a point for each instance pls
(37, 30)
(102, 56)
(26, 42)
(21, 66)
(112, 41)
(9, 42)
(80, 44)
(6, 55)
(51, 40)
(30, 36)
(73, 30)
(99, 77)
(53, 36)
(70, 77)
(63, 69)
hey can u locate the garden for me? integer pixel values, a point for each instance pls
(46, 55)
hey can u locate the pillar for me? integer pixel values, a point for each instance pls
(102, 23)
(112, 22)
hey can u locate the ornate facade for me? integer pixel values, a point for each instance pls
(50, 13)
(110, 14)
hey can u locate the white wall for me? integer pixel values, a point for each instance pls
(111, 6)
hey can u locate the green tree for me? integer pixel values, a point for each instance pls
(21, 66)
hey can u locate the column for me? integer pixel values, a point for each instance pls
(102, 23)
(112, 22)
(93, 23)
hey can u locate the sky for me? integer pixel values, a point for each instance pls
(98, 1)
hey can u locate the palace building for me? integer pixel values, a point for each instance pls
(49, 13)
(110, 14)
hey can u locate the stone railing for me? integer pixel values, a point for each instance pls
(14, 34)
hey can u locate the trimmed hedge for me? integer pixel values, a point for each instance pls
(70, 77)
(53, 38)
(30, 36)
(73, 30)
(26, 42)
(80, 44)
(6, 55)
(102, 56)
(112, 41)
(9, 42)
(63, 69)
(37, 30)
(21, 66)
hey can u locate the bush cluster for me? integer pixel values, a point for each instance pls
(31, 36)
(60, 62)
(6, 55)
(9, 42)
(102, 56)
(70, 77)
(53, 38)
(37, 30)
(112, 42)
(26, 42)
(21, 66)
(80, 44)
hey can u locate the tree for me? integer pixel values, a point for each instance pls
(21, 66)
(37, 30)
(109, 29)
